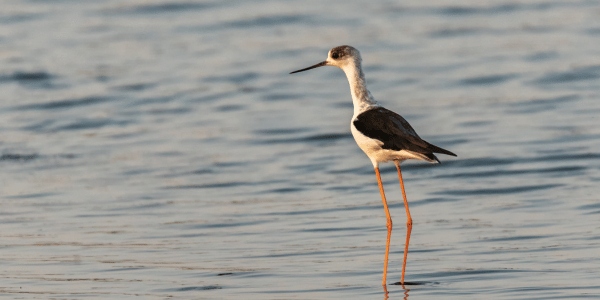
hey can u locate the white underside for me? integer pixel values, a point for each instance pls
(376, 154)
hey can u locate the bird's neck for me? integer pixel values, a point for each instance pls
(361, 97)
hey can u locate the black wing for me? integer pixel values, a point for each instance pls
(394, 132)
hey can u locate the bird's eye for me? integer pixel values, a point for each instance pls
(335, 55)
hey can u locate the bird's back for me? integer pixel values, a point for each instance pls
(395, 134)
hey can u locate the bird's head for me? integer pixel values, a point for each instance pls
(340, 56)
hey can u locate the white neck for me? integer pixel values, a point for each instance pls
(361, 97)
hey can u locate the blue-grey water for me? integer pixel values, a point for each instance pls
(159, 149)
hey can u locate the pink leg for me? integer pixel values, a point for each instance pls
(389, 225)
(408, 221)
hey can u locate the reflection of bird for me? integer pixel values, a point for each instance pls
(381, 133)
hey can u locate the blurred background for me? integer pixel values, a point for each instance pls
(159, 149)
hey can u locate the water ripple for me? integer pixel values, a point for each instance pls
(82, 124)
(497, 191)
(577, 74)
(209, 185)
(316, 138)
(494, 173)
(566, 156)
(454, 32)
(593, 208)
(487, 80)
(469, 10)
(25, 77)
(266, 21)
(64, 104)
(466, 272)
(515, 238)
(237, 78)
(542, 104)
(173, 7)
(18, 157)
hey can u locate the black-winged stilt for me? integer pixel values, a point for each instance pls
(381, 133)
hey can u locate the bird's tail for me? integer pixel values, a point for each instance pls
(436, 149)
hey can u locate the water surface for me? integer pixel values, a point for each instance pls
(161, 150)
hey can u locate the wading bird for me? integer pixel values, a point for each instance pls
(381, 133)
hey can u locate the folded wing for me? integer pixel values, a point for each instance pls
(394, 132)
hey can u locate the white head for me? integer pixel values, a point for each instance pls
(348, 59)
(341, 57)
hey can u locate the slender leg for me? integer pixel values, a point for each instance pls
(389, 225)
(408, 221)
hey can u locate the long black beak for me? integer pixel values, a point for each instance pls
(323, 63)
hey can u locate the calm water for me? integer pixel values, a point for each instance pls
(159, 149)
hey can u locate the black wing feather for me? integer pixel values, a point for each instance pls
(394, 132)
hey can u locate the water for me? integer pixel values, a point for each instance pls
(159, 149)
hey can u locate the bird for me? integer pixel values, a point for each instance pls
(382, 134)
